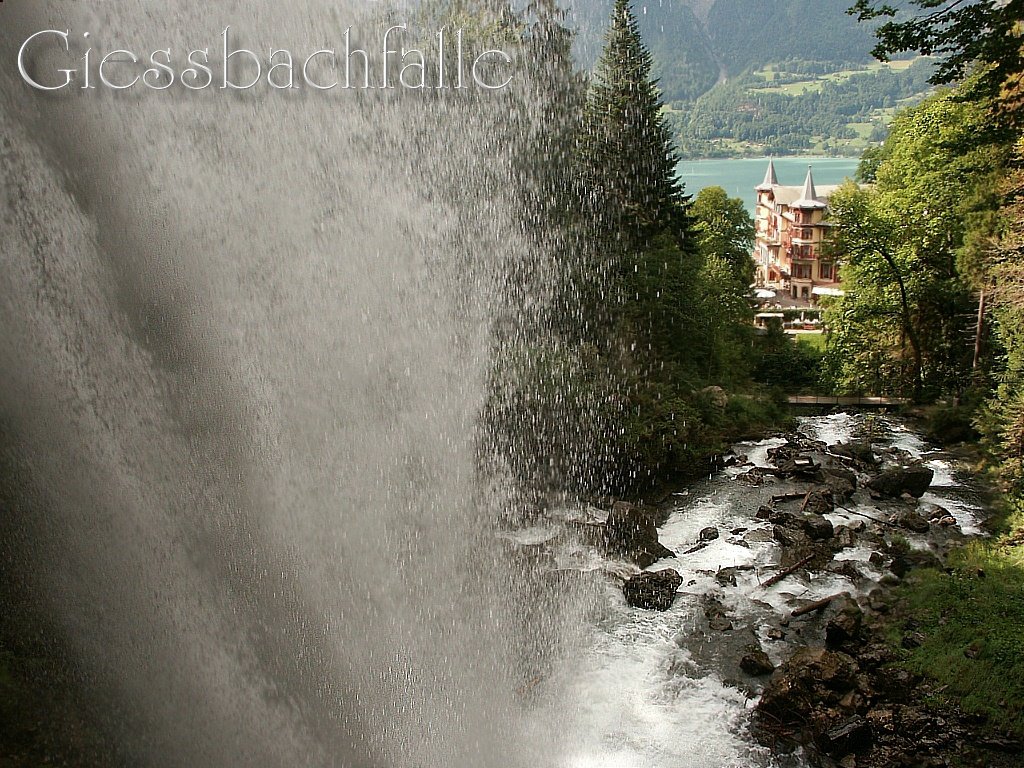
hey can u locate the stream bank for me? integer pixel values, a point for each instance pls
(774, 646)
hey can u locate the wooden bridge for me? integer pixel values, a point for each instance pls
(831, 401)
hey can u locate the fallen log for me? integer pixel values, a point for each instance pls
(787, 497)
(787, 572)
(817, 605)
(869, 517)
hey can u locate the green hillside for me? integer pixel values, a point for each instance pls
(746, 77)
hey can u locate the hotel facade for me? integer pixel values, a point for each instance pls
(790, 231)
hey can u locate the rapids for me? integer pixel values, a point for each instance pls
(661, 690)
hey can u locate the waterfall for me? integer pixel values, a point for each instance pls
(246, 337)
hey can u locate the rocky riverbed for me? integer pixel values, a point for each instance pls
(740, 625)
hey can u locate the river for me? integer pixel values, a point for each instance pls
(739, 176)
(662, 689)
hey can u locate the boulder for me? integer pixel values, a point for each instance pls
(851, 735)
(840, 481)
(756, 663)
(857, 450)
(708, 534)
(818, 528)
(631, 532)
(912, 522)
(895, 481)
(843, 626)
(810, 678)
(716, 396)
(819, 502)
(653, 589)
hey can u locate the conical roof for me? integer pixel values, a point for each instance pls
(770, 179)
(809, 197)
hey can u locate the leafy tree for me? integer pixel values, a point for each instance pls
(963, 33)
(904, 325)
(725, 229)
(1003, 419)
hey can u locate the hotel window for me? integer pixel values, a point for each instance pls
(802, 271)
(826, 272)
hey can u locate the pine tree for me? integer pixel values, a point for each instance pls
(629, 152)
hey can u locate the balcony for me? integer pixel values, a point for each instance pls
(802, 253)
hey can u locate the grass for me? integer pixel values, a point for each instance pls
(972, 620)
(814, 341)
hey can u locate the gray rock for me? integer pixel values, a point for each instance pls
(895, 481)
(708, 534)
(631, 532)
(858, 450)
(818, 528)
(756, 663)
(913, 522)
(843, 626)
(652, 589)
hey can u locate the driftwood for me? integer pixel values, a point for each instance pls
(786, 572)
(869, 517)
(696, 548)
(787, 497)
(817, 605)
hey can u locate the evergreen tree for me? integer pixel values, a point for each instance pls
(629, 150)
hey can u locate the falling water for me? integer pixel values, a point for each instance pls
(244, 349)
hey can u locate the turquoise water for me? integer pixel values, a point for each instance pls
(739, 177)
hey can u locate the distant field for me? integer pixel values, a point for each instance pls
(773, 72)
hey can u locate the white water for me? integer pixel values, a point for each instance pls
(649, 692)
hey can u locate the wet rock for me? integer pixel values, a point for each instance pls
(843, 537)
(753, 477)
(856, 450)
(764, 512)
(800, 467)
(708, 534)
(895, 684)
(719, 624)
(848, 569)
(933, 512)
(912, 522)
(840, 481)
(877, 558)
(631, 532)
(819, 503)
(810, 678)
(893, 482)
(843, 627)
(851, 735)
(780, 517)
(652, 589)
(726, 577)
(714, 611)
(818, 528)
(756, 663)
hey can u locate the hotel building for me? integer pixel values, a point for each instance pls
(790, 230)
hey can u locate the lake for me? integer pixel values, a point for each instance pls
(739, 176)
